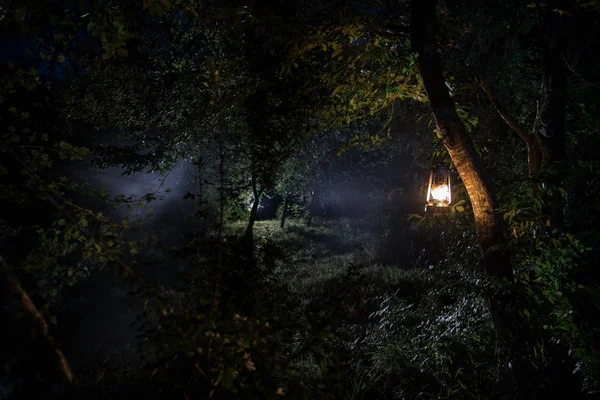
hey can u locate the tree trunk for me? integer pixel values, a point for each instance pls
(451, 130)
(222, 200)
(250, 229)
(311, 206)
(25, 338)
(510, 325)
(249, 236)
(200, 203)
(488, 224)
(284, 212)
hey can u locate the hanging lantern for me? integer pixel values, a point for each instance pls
(439, 192)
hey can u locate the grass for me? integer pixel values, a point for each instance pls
(324, 252)
(315, 254)
(399, 323)
(363, 325)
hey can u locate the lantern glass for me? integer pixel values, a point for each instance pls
(439, 192)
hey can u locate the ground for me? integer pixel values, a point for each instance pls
(405, 320)
(388, 326)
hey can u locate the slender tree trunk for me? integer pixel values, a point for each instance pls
(222, 200)
(311, 205)
(284, 212)
(252, 219)
(249, 236)
(510, 325)
(451, 130)
(488, 224)
(200, 196)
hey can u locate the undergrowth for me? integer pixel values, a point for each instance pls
(324, 312)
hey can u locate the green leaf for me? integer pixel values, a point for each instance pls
(337, 90)
(133, 247)
(122, 52)
(338, 50)
(64, 145)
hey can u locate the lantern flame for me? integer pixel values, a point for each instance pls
(440, 193)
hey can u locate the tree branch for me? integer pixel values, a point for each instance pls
(576, 74)
(527, 138)
(25, 317)
(534, 146)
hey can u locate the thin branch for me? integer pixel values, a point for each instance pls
(535, 154)
(16, 299)
(578, 75)
(527, 138)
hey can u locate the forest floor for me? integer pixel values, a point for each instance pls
(314, 255)
(406, 319)
(391, 322)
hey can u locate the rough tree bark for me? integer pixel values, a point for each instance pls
(453, 134)
(509, 323)
(488, 223)
(25, 338)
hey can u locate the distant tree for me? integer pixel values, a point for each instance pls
(300, 176)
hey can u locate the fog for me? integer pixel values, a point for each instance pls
(102, 311)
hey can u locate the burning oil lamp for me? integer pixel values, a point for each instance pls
(439, 192)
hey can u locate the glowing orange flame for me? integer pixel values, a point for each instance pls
(440, 193)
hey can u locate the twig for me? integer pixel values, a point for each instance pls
(576, 74)
(505, 117)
